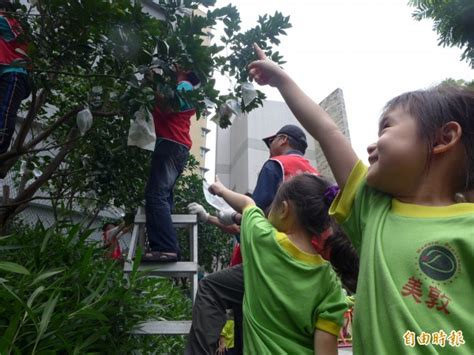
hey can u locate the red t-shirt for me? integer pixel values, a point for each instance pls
(108, 236)
(236, 258)
(173, 125)
(8, 49)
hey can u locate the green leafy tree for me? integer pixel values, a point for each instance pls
(453, 21)
(97, 55)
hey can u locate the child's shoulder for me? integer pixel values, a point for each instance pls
(253, 216)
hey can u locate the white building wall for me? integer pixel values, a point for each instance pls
(241, 152)
(222, 156)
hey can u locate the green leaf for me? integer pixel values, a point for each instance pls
(45, 275)
(48, 235)
(9, 335)
(45, 318)
(3, 237)
(91, 314)
(12, 247)
(13, 267)
(32, 297)
(87, 342)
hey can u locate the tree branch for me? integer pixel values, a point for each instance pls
(58, 159)
(43, 135)
(47, 132)
(36, 104)
(8, 157)
(37, 198)
(107, 114)
(88, 75)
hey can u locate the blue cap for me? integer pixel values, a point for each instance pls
(295, 133)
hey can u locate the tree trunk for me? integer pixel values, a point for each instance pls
(5, 214)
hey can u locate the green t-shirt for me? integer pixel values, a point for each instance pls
(288, 293)
(416, 280)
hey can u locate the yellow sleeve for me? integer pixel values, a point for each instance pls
(331, 310)
(342, 204)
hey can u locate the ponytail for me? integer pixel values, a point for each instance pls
(343, 257)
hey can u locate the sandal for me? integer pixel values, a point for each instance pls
(159, 257)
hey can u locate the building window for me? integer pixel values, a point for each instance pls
(204, 132)
(203, 151)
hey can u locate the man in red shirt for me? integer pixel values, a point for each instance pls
(171, 153)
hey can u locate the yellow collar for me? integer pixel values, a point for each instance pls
(411, 210)
(295, 252)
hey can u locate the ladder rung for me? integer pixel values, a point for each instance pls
(163, 327)
(179, 269)
(179, 220)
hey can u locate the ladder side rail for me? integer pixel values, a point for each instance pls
(194, 243)
(163, 328)
(141, 236)
(177, 219)
(133, 242)
(194, 258)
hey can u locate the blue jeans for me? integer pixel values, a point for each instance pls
(167, 164)
(14, 88)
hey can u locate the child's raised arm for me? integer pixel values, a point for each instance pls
(237, 201)
(336, 147)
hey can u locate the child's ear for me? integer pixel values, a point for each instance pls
(284, 210)
(447, 137)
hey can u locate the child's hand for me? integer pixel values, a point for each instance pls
(263, 70)
(222, 346)
(217, 188)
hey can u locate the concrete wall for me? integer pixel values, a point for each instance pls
(241, 151)
(335, 106)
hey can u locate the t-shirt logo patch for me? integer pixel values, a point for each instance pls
(438, 262)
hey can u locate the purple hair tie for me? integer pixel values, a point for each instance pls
(330, 194)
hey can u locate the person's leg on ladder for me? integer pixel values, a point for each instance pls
(216, 292)
(168, 162)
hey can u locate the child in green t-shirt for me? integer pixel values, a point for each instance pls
(416, 243)
(293, 301)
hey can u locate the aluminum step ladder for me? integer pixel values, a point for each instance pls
(178, 269)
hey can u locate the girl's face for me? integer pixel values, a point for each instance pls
(398, 159)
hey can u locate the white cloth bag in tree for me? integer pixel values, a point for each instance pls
(142, 131)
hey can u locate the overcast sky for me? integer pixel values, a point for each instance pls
(373, 50)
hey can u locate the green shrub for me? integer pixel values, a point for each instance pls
(59, 294)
